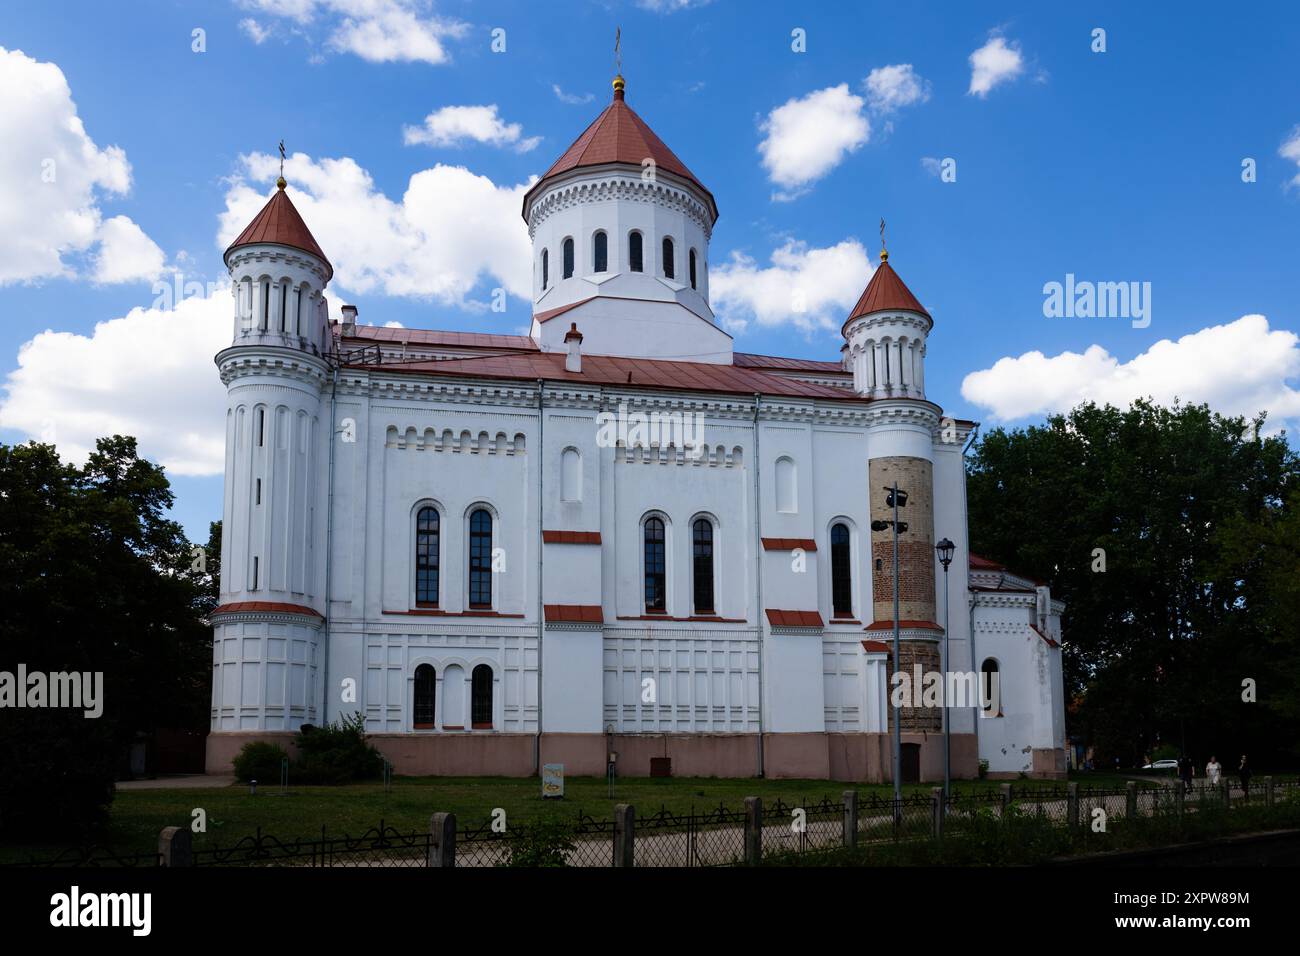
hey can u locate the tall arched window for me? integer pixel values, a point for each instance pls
(426, 688)
(568, 259)
(600, 252)
(841, 573)
(702, 569)
(670, 271)
(656, 600)
(787, 497)
(546, 267)
(480, 705)
(426, 557)
(570, 475)
(692, 268)
(634, 261)
(480, 559)
(990, 690)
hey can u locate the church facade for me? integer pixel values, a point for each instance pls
(616, 537)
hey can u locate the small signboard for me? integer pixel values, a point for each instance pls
(552, 780)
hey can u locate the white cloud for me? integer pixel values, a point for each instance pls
(450, 229)
(807, 288)
(126, 253)
(1291, 150)
(1191, 369)
(993, 64)
(254, 30)
(932, 165)
(572, 99)
(670, 6)
(52, 178)
(890, 88)
(147, 374)
(380, 31)
(806, 138)
(453, 125)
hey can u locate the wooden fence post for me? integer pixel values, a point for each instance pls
(442, 840)
(851, 818)
(1268, 791)
(753, 830)
(1131, 800)
(174, 847)
(1005, 803)
(1072, 805)
(624, 834)
(936, 812)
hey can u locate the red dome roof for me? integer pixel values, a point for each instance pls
(619, 135)
(886, 293)
(280, 223)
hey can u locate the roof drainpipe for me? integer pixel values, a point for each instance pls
(541, 610)
(323, 717)
(758, 580)
(970, 596)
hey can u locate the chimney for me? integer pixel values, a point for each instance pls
(349, 319)
(573, 339)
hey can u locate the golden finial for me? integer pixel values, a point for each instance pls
(619, 84)
(280, 183)
(884, 253)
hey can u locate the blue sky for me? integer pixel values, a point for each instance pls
(1117, 166)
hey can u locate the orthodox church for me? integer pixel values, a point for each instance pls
(616, 538)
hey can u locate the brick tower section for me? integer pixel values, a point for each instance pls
(915, 572)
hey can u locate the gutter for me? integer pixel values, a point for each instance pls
(541, 610)
(758, 578)
(970, 597)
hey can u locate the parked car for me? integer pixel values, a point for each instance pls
(1167, 764)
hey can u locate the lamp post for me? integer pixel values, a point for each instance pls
(945, 549)
(895, 498)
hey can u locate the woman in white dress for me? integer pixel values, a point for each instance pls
(1212, 771)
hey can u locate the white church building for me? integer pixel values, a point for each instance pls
(616, 535)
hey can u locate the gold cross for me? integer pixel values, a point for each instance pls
(281, 159)
(618, 56)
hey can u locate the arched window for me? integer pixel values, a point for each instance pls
(570, 475)
(669, 270)
(426, 689)
(656, 600)
(546, 267)
(702, 569)
(568, 259)
(990, 692)
(480, 559)
(480, 707)
(692, 269)
(426, 557)
(841, 573)
(786, 489)
(600, 252)
(634, 252)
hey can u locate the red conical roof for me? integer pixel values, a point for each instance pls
(886, 293)
(279, 222)
(619, 135)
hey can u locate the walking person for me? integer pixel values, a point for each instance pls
(1212, 771)
(1243, 774)
(1185, 772)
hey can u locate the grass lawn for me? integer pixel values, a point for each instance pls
(138, 815)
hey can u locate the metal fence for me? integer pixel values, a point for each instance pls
(719, 836)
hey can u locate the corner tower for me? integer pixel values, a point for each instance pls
(620, 230)
(267, 627)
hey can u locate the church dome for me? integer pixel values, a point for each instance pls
(618, 136)
(886, 292)
(280, 223)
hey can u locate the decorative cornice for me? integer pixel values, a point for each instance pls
(617, 185)
(273, 611)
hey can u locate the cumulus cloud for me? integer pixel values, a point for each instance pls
(890, 88)
(254, 30)
(806, 138)
(1290, 149)
(572, 99)
(454, 125)
(380, 31)
(993, 64)
(449, 230)
(148, 373)
(1191, 369)
(53, 177)
(804, 287)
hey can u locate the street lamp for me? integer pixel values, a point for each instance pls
(895, 498)
(945, 548)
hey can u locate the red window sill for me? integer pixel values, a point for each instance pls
(426, 606)
(480, 726)
(424, 726)
(450, 727)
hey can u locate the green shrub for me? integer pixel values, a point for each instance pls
(336, 753)
(260, 761)
(543, 844)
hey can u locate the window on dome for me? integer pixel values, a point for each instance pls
(568, 259)
(426, 557)
(600, 252)
(480, 698)
(655, 567)
(692, 269)
(634, 252)
(702, 554)
(841, 573)
(480, 559)
(426, 688)
(670, 271)
(546, 268)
